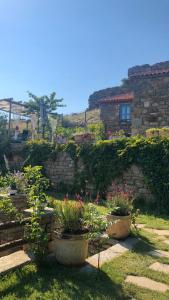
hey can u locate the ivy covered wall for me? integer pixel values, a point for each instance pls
(98, 164)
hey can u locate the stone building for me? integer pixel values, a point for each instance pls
(141, 102)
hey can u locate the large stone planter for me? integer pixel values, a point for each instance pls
(120, 227)
(72, 250)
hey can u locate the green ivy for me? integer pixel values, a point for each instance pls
(37, 152)
(105, 160)
(4, 150)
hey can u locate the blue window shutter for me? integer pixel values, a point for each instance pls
(125, 112)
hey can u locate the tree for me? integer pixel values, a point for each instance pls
(3, 124)
(51, 102)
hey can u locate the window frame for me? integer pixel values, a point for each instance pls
(125, 116)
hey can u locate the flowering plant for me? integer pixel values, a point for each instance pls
(121, 203)
(75, 217)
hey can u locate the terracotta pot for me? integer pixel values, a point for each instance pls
(120, 227)
(72, 250)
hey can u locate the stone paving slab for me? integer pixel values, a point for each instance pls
(140, 226)
(157, 231)
(14, 260)
(160, 267)
(159, 253)
(109, 254)
(147, 283)
(166, 242)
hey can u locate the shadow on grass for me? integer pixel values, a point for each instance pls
(144, 244)
(58, 282)
(150, 209)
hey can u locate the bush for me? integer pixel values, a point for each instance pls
(37, 152)
(155, 132)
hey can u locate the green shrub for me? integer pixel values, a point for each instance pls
(154, 132)
(37, 152)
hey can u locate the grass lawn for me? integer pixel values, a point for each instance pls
(58, 282)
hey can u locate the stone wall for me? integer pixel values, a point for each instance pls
(151, 103)
(110, 117)
(60, 170)
(15, 159)
(12, 232)
(94, 99)
(63, 171)
(131, 180)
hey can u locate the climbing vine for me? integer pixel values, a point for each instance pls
(103, 161)
(4, 150)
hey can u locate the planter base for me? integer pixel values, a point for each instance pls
(120, 227)
(71, 252)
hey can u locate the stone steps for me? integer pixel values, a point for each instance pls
(14, 260)
(148, 283)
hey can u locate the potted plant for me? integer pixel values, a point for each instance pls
(12, 187)
(78, 223)
(17, 183)
(120, 216)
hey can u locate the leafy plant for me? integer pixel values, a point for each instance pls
(36, 234)
(5, 149)
(3, 123)
(37, 152)
(7, 207)
(71, 214)
(16, 181)
(121, 204)
(76, 218)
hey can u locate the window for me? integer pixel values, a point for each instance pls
(125, 112)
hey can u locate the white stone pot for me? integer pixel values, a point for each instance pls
(71, 250)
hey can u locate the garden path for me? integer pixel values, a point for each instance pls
(146, 282)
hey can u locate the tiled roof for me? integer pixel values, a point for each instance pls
(128, 97)
(150, 72)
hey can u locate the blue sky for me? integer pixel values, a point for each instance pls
(75, 47)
